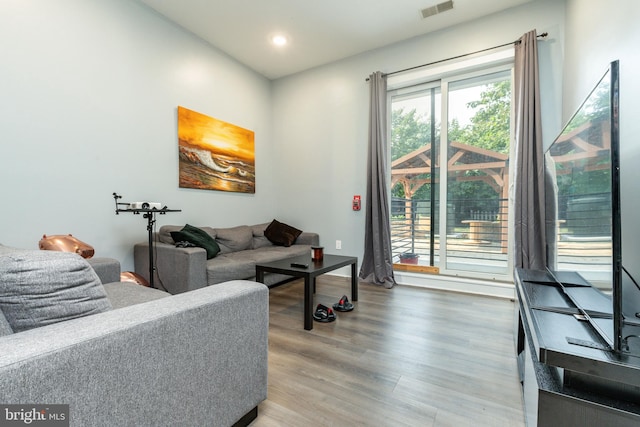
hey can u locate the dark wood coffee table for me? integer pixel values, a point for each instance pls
(316, 268)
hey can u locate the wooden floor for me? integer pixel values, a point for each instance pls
(404, 357)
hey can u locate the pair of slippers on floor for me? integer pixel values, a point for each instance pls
(325, 314)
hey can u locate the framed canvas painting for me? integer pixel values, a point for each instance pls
(214, 155)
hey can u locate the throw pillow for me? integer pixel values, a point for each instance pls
(198, 237)
(281, 234)
(39, 288)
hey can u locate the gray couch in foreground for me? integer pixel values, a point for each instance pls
(195, 359)
(185, 269)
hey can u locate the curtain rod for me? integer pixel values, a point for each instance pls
(543, 35)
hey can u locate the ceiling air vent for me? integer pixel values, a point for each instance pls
(439, 8)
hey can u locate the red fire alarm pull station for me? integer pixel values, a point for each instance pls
(356, 203)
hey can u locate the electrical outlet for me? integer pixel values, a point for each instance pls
(338, 244)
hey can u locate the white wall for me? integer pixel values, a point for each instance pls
(89, 92)
(88, 99)
(598, 33)
(321, 116)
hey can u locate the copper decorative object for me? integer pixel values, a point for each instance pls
(66, 243)
(130, 276)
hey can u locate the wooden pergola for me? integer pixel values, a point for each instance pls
(413, 170)
(581, 147)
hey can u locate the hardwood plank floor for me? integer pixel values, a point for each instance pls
(403, 357)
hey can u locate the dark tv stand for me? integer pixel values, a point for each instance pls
(569, 374)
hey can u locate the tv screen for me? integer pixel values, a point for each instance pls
(582, 200)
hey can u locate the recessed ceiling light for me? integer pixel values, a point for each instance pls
(279, 40)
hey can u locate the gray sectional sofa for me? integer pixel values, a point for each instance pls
(145, 358)
(180, 269)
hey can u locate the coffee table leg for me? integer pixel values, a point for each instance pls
(308, 302)
(354, 283)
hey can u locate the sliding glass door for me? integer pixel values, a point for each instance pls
(450, 206)
(415, 142)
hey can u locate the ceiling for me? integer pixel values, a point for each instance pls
(319, 32)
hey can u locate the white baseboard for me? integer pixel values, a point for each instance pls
(453, 284)
(457, 284)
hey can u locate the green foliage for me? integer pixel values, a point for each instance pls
(409, 132)
(488, 129)
(596, 107)
(575, 180)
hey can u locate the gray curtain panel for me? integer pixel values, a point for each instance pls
(377, 264)
(529, 208)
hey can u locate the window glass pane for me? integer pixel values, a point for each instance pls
(415, 132)
(477, 173)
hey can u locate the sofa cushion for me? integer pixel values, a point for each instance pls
(234, 239)
(44, 287)
(259, 239)
(281, 234)
(5, 327)
(231, 266)
(107, 269)
(198, 237)
(6, 249)
(242, 264)
(164, 234)
(124, 294)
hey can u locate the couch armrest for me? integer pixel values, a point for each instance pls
(177, 269)
(198, 358)
(107, 269)
(308, 238)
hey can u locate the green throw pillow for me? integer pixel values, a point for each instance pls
(198, 237)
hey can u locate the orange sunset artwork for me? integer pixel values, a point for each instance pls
(215, 155)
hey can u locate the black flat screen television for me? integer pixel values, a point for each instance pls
(583, 217)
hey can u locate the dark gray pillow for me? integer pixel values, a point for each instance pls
(39, 288)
